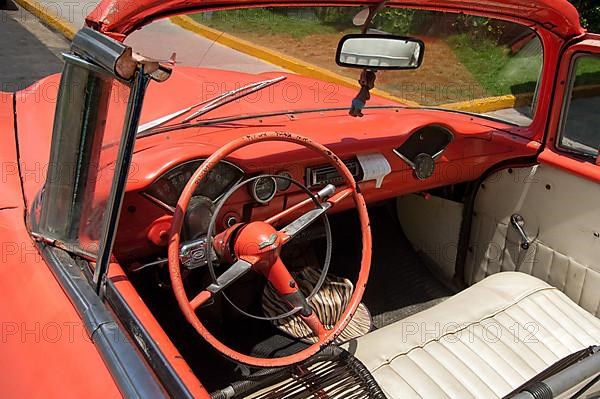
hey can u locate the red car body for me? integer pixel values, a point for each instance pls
(45, 350)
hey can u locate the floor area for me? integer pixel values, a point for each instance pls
(400, 283)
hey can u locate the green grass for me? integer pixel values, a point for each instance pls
(495, 68)
(588, 71)
(264, 21)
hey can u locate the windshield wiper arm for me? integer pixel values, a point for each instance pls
(211, 104)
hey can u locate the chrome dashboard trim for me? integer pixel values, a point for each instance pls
(402, 157)
(436, 155)
(158, 202)
(254, 194)
(311, 178)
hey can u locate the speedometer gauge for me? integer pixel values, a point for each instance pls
(167, 189)
(263, 189)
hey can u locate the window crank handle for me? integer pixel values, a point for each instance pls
(519, 224)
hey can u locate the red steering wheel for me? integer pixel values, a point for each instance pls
(257, 245)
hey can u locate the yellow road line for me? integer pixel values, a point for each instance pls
(491, 104)
(47, 17)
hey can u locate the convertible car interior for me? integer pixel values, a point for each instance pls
(270, 248)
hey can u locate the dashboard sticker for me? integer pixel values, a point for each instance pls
(375, 167)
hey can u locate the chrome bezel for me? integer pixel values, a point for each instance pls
(419, 159)
(255, 195)
(434, 156)
(287, 182)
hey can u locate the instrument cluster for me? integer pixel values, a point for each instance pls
(167, 189)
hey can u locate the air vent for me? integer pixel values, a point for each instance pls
(431, 140)
(327, 174)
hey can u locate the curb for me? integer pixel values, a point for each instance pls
(276, 58)
(484, 105)
(49, 19)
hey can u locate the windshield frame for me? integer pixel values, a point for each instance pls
(119, 18)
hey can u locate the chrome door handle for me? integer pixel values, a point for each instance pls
(519, 224)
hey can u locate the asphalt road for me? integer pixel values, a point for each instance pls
(162, 38)
(28, 50)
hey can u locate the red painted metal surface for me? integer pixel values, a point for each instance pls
(552, 154)
(45, 351)
(12, 197)
(121, 17)
(145, 316)
(586, 169)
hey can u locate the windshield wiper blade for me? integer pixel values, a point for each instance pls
(233, 95)
(210, 104)
(158, 122)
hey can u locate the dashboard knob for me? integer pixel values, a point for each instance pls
(231, 219)
(158, 233)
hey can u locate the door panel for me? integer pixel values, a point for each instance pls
(561, 213)
(558, 200)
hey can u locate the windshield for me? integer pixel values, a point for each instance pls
(471, 64)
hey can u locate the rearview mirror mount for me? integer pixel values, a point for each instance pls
(380, 52)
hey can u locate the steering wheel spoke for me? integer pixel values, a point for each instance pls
(281, 279)
(200, 299)
(315, 325)
(322, 197)
(300, 224)
(231, 275)
(340, 196)
(287, 288)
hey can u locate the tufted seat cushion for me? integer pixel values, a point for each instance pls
(481, 343)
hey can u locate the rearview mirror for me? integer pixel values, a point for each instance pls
(377, 51)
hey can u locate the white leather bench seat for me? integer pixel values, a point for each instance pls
(481, 343)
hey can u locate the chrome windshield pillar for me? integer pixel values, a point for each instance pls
(95, 124)
(122, 165)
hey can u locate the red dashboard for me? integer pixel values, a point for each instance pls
(381, 148)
